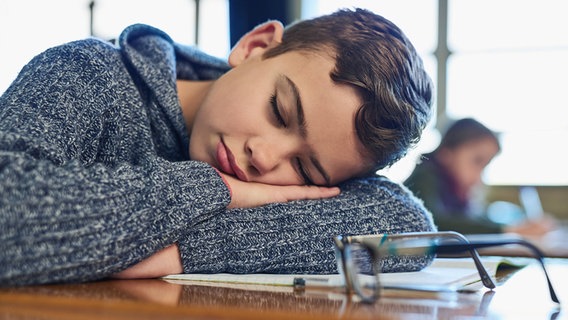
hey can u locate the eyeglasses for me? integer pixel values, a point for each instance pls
(359, 257)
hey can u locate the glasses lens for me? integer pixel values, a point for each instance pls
(362, 268)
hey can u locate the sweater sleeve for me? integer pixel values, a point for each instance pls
(83, 193)
(71, 223)
(297, 237)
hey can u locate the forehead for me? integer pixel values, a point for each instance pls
(329, 110)
(487, 144)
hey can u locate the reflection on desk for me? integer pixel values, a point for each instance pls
(523, 295)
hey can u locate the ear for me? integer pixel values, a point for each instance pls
(255, 42)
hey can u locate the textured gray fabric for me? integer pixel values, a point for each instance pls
(95, 176)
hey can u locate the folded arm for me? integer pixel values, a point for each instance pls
(296, 237)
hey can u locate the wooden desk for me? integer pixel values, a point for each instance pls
(523, 295)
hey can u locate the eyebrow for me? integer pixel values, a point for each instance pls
(300, 118)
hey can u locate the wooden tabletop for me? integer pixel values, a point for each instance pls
(520, 295)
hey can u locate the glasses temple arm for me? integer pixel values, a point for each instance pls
(485, 277)
(538, 255)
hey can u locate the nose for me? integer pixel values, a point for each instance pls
(268, 154)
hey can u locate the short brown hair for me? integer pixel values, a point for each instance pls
(373, 55)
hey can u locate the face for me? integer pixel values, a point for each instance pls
(280, 121)
(468, 161)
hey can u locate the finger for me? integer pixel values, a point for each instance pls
(314, 192)
(326, 192)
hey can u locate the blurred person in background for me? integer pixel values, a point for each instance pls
(447, 180)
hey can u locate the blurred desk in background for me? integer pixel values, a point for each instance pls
(554, 244)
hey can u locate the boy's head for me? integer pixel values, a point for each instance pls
(319, 102)
(373, 55)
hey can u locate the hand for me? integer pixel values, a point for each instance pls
(253, 194)
(534, 228)
(164, 262)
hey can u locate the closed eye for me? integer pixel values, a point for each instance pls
(303, 173)
(276, 111)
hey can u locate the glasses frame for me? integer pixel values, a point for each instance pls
(378, 246)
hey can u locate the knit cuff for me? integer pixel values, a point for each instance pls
(192, 186)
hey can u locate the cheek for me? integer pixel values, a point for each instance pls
(471, 176)
(217, 112)
(230, 108)
(463, 173)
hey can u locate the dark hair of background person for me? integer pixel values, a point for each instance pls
(466, 130)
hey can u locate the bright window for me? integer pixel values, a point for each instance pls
(509, 70)
(28, 27)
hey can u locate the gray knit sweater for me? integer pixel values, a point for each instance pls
(95, 176)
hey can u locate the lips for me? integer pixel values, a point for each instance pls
(227, 162)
